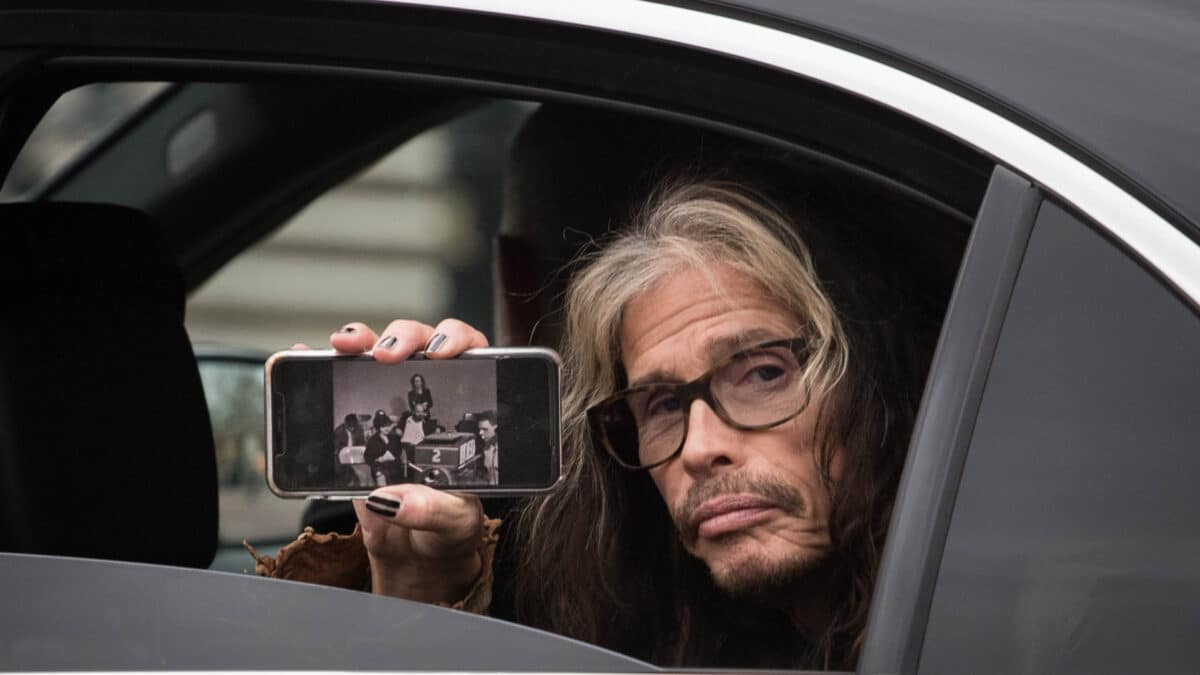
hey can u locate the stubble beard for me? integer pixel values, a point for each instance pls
(757, 577)
(761, 579)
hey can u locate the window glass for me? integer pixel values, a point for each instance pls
(77, 120)
(1073, 547)
(407, 237)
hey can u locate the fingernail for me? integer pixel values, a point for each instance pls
(384, 501)
(348, 329)
(381, 510)
(435, 342)
(387, 342)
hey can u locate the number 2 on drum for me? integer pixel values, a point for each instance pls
(437, 457)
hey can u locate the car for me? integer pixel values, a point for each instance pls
(1032, 165)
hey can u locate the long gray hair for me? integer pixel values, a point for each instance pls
(600, 560)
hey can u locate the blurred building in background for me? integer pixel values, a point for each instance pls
(408, 237)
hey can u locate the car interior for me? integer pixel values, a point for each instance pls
(115, 375)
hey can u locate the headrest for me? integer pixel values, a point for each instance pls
(575, 174)
(105, 445)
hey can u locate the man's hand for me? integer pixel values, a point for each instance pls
(423, 543)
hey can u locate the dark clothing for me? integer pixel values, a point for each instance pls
(377, 446)
(487, 466)
(344, 436)
(423, 396)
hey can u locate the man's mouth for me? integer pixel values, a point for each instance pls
(726, 514)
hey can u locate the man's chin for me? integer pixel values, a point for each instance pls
(756, 574)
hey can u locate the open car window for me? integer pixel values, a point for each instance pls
(408, 236)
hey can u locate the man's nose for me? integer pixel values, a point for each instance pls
(711, 444)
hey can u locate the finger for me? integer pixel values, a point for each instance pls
(452, 517)
(453, 337)
(400, 340)
(379, 537)
(300, 346)
(353, 338)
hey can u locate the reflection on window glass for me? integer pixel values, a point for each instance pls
(77, 120)
(408, 237)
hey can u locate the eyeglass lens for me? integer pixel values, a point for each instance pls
(757, 388)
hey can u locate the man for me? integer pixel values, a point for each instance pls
(412, 428)
(349, 432)
(734, 426)
(488, 468)
(382, 453)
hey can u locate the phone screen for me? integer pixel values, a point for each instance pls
(346, 425)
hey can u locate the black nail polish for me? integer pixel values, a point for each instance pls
(388, 342)
(435, 342)
(387, 513)
(349, 329)
(384, 501)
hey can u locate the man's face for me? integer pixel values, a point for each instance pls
(487, 430)
(420, 411)
(750, 504)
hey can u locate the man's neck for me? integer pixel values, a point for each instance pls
(811, 605)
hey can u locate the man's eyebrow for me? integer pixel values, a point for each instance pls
(656, 377)
(723, 347)
(714, 350)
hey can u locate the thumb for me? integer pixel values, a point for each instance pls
(452, 517)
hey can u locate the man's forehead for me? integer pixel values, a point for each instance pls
(708, 348)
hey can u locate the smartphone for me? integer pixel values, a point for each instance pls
(486, 422)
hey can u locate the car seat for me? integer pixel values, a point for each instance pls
(105, 445)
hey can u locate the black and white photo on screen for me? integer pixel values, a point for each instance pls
(415, 422)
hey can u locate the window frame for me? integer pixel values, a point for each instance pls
(945, 420)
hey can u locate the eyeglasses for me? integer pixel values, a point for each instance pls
(756, 388)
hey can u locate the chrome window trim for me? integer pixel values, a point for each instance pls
(1142, 230)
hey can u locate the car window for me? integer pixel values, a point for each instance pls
(409, 236)
(1073, 545)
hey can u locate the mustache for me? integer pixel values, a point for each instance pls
(766, 486)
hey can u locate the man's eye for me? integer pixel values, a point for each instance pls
(765, 373)
(760, 370)
(662, 404)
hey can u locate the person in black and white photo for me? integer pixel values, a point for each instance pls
(412, 428)
(419, 393)
(383, 453)
(488, 468)
(415, 425)
(349, 433)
